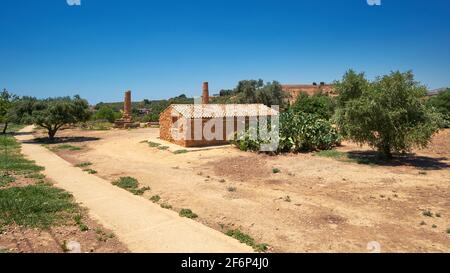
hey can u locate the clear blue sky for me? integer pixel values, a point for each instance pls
(162, 48)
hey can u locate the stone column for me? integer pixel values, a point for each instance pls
(127, 106)
(205, 95)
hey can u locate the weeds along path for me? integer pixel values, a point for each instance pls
(138, 223)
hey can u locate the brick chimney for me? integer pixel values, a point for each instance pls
(205, 95)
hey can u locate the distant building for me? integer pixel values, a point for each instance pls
(294, 90)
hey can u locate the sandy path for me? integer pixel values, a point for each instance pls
(140, 224)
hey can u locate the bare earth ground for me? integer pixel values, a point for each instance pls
(97, 239)
(315, 204)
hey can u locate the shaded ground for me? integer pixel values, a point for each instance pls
(314, 204)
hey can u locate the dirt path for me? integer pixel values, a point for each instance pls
(140, 224)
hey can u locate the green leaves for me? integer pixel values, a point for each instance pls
(389, 113)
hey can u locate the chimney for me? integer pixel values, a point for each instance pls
(205, 95)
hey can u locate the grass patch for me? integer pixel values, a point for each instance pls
(276, 170)
(163, 148)
(177, 152)
(34, 206)
(6, 179)
(130, 184)
(247, 239)
(188, 214)
(153, 144)
(166, 206)
(231, 189)
(84, 165)
(78, 218)
(68, 147)
(90, 171)
(155, 198)
(427, 213)
(332, 154)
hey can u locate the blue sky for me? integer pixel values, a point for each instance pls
(162, 48)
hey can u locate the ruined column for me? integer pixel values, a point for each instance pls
(205, 95)
(127, 106)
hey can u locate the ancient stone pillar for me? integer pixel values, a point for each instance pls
(205, 95)
(127, 106)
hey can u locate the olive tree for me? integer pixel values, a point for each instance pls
(389, 113)
(53, 113)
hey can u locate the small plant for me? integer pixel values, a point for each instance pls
(78, 220)
(163, 148)
(427, 213)
(247, 239)
(434, 226)
(423, 223)
(287, 199)
(84, 165)
(64, 247)
(276, 170)
(438, 215)
(222, 181)
(153, 144)
(166, 206)
(177, 152)
(448, 231)
(261, 247)
(130, 184)
(90, 171)
(127, 183)
(188, 214)
(423, 173)
(155, 198)
(231, 189)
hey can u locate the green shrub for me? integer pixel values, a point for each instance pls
(155, 198)
(389, 114)
(298, 132)
(188, 213)
(126, 183)
(319, 104)
(441, 103)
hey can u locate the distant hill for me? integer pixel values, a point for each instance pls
(436, 91)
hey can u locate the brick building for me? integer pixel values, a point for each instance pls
(197, 125)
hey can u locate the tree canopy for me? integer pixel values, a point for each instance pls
(389, 113)
(53, 113)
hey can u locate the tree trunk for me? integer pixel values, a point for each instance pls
(5, 128)
(387, 151)
(51, 134)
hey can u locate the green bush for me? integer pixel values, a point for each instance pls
(441, 103)
(319, 104)
(106, 113)
(389, 114)
(298, 132)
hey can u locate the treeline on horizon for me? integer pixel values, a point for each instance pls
(394, 106)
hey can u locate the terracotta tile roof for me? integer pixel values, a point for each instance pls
(223, 110)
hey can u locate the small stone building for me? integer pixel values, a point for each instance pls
(186, 124)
